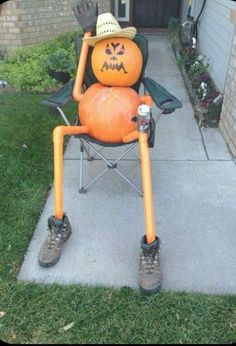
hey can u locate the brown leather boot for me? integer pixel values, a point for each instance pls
(149, 266)
(59, 233)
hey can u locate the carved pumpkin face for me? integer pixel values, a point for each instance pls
(116, 62)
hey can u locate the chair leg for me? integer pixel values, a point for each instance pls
(89, 157)
(81, 179)
(111, 165)
(147, 188)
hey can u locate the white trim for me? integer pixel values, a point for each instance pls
(127, 10)
(193, 8)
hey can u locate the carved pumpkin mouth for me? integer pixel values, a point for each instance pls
(114, 67)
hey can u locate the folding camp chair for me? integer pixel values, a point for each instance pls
(166, 102)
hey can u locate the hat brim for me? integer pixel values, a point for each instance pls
(129, 32)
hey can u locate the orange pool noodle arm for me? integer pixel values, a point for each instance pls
(77, 89)
(147, 100)
(130, 137)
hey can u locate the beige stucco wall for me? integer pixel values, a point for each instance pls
(26, 22)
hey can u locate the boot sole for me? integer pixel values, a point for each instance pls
(149, 292)
(48, 265)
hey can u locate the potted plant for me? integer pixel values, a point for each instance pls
(212, 116)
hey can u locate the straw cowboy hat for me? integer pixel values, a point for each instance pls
(107, 26)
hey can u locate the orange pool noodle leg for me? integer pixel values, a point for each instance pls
(58, 136)
(147, 188)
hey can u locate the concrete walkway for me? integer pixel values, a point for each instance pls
(194, 191)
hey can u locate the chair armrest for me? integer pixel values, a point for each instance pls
(161, 97)
(61, 97)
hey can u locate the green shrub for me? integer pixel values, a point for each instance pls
(24, 69)
(173, 28)
(197, 69)
(60, 61)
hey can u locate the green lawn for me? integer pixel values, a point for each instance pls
(32, 313)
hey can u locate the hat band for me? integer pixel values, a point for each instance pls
(107, 31)
(107, 23)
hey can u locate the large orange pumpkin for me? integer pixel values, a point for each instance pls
(107, 111)
(117, 62)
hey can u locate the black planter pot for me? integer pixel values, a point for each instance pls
(60, 76)
(212, 123)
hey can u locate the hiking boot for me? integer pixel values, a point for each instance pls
(149, 266)
(59, 233)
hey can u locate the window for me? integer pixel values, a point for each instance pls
(122, 10)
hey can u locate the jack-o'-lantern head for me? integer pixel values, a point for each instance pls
(117, 62)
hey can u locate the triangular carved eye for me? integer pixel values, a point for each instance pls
(121, 51)
(115, 45)
(108, 50)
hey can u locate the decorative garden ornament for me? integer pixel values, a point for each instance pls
(108, 113)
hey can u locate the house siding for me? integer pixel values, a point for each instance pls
(228, 115)
(215, 35)
(26, 22)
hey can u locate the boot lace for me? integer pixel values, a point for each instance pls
(149, 261)
(53, 238)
